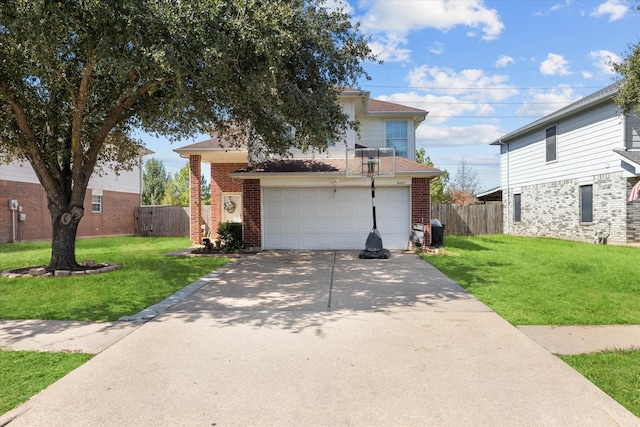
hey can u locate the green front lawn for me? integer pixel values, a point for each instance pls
(537, 281)
(25, 373)
(616, 373)
(145, 277)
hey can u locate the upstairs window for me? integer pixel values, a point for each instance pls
(397, 136)
(551, 144)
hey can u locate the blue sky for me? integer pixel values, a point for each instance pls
(483, 68)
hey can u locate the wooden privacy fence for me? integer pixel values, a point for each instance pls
(472, 220)
(167, 221)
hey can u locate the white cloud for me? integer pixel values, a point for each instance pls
(504, 60)
(542, 103)
(457, 136)
(554, 7)
(558, 6)
(437, 48)
(390, 50)
(384, 20)
(602, 60)
(471, 84)
(555, 65)
(338, 5)
(440, 108)
(614, 9)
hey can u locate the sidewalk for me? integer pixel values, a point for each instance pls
(319, 339)
(93, 338)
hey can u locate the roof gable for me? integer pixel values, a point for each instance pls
(603, 95)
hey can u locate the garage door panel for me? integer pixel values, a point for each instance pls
(326, 219)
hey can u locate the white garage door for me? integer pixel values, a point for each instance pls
(321, 218)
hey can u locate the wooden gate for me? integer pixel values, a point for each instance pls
(167, 221)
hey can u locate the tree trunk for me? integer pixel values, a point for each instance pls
(63, 244)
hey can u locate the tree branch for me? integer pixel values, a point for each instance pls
(30, 150)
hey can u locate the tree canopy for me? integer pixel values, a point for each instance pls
(154, 181)
(77, 77)
(177, 189)
(628, 95)
(438, 185)
(464, 187)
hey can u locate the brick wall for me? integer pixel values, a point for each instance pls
(553, 209)
(421, 204)
(117, 216)
(252, 226)
(195, 203)
(221, 182)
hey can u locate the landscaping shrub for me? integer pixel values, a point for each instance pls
(230, 234)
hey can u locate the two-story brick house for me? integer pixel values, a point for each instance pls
(309, 202)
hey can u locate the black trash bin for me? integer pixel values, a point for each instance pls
(437, 233)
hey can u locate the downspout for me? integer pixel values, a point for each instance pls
(508, 196)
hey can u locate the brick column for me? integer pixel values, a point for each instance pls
(421, 205)
(216, 208)
(195, 202)
(251, 224)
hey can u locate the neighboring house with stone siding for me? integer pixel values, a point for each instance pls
(109, 207)
(568, 174)
(308, 202)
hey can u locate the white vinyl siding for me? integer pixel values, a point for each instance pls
(585, 145)
(125, 182)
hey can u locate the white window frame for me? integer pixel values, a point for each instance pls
(96, 201)
(389, 140)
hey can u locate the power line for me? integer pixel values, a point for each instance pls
(483, 88)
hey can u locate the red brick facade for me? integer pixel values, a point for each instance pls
(252, 226)
(221, 183)
(421, 204)
(195, 200)
(117, 216)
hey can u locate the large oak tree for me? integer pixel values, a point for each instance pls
(77, 77)
(628, 94)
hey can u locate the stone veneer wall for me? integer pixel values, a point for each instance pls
(633, 215)
(553, 210)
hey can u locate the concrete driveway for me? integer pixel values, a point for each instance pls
(325, 339)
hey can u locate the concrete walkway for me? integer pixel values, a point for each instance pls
(326, 339)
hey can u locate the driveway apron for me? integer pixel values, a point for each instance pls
(325, 339)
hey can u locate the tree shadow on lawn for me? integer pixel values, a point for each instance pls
(301, 290)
